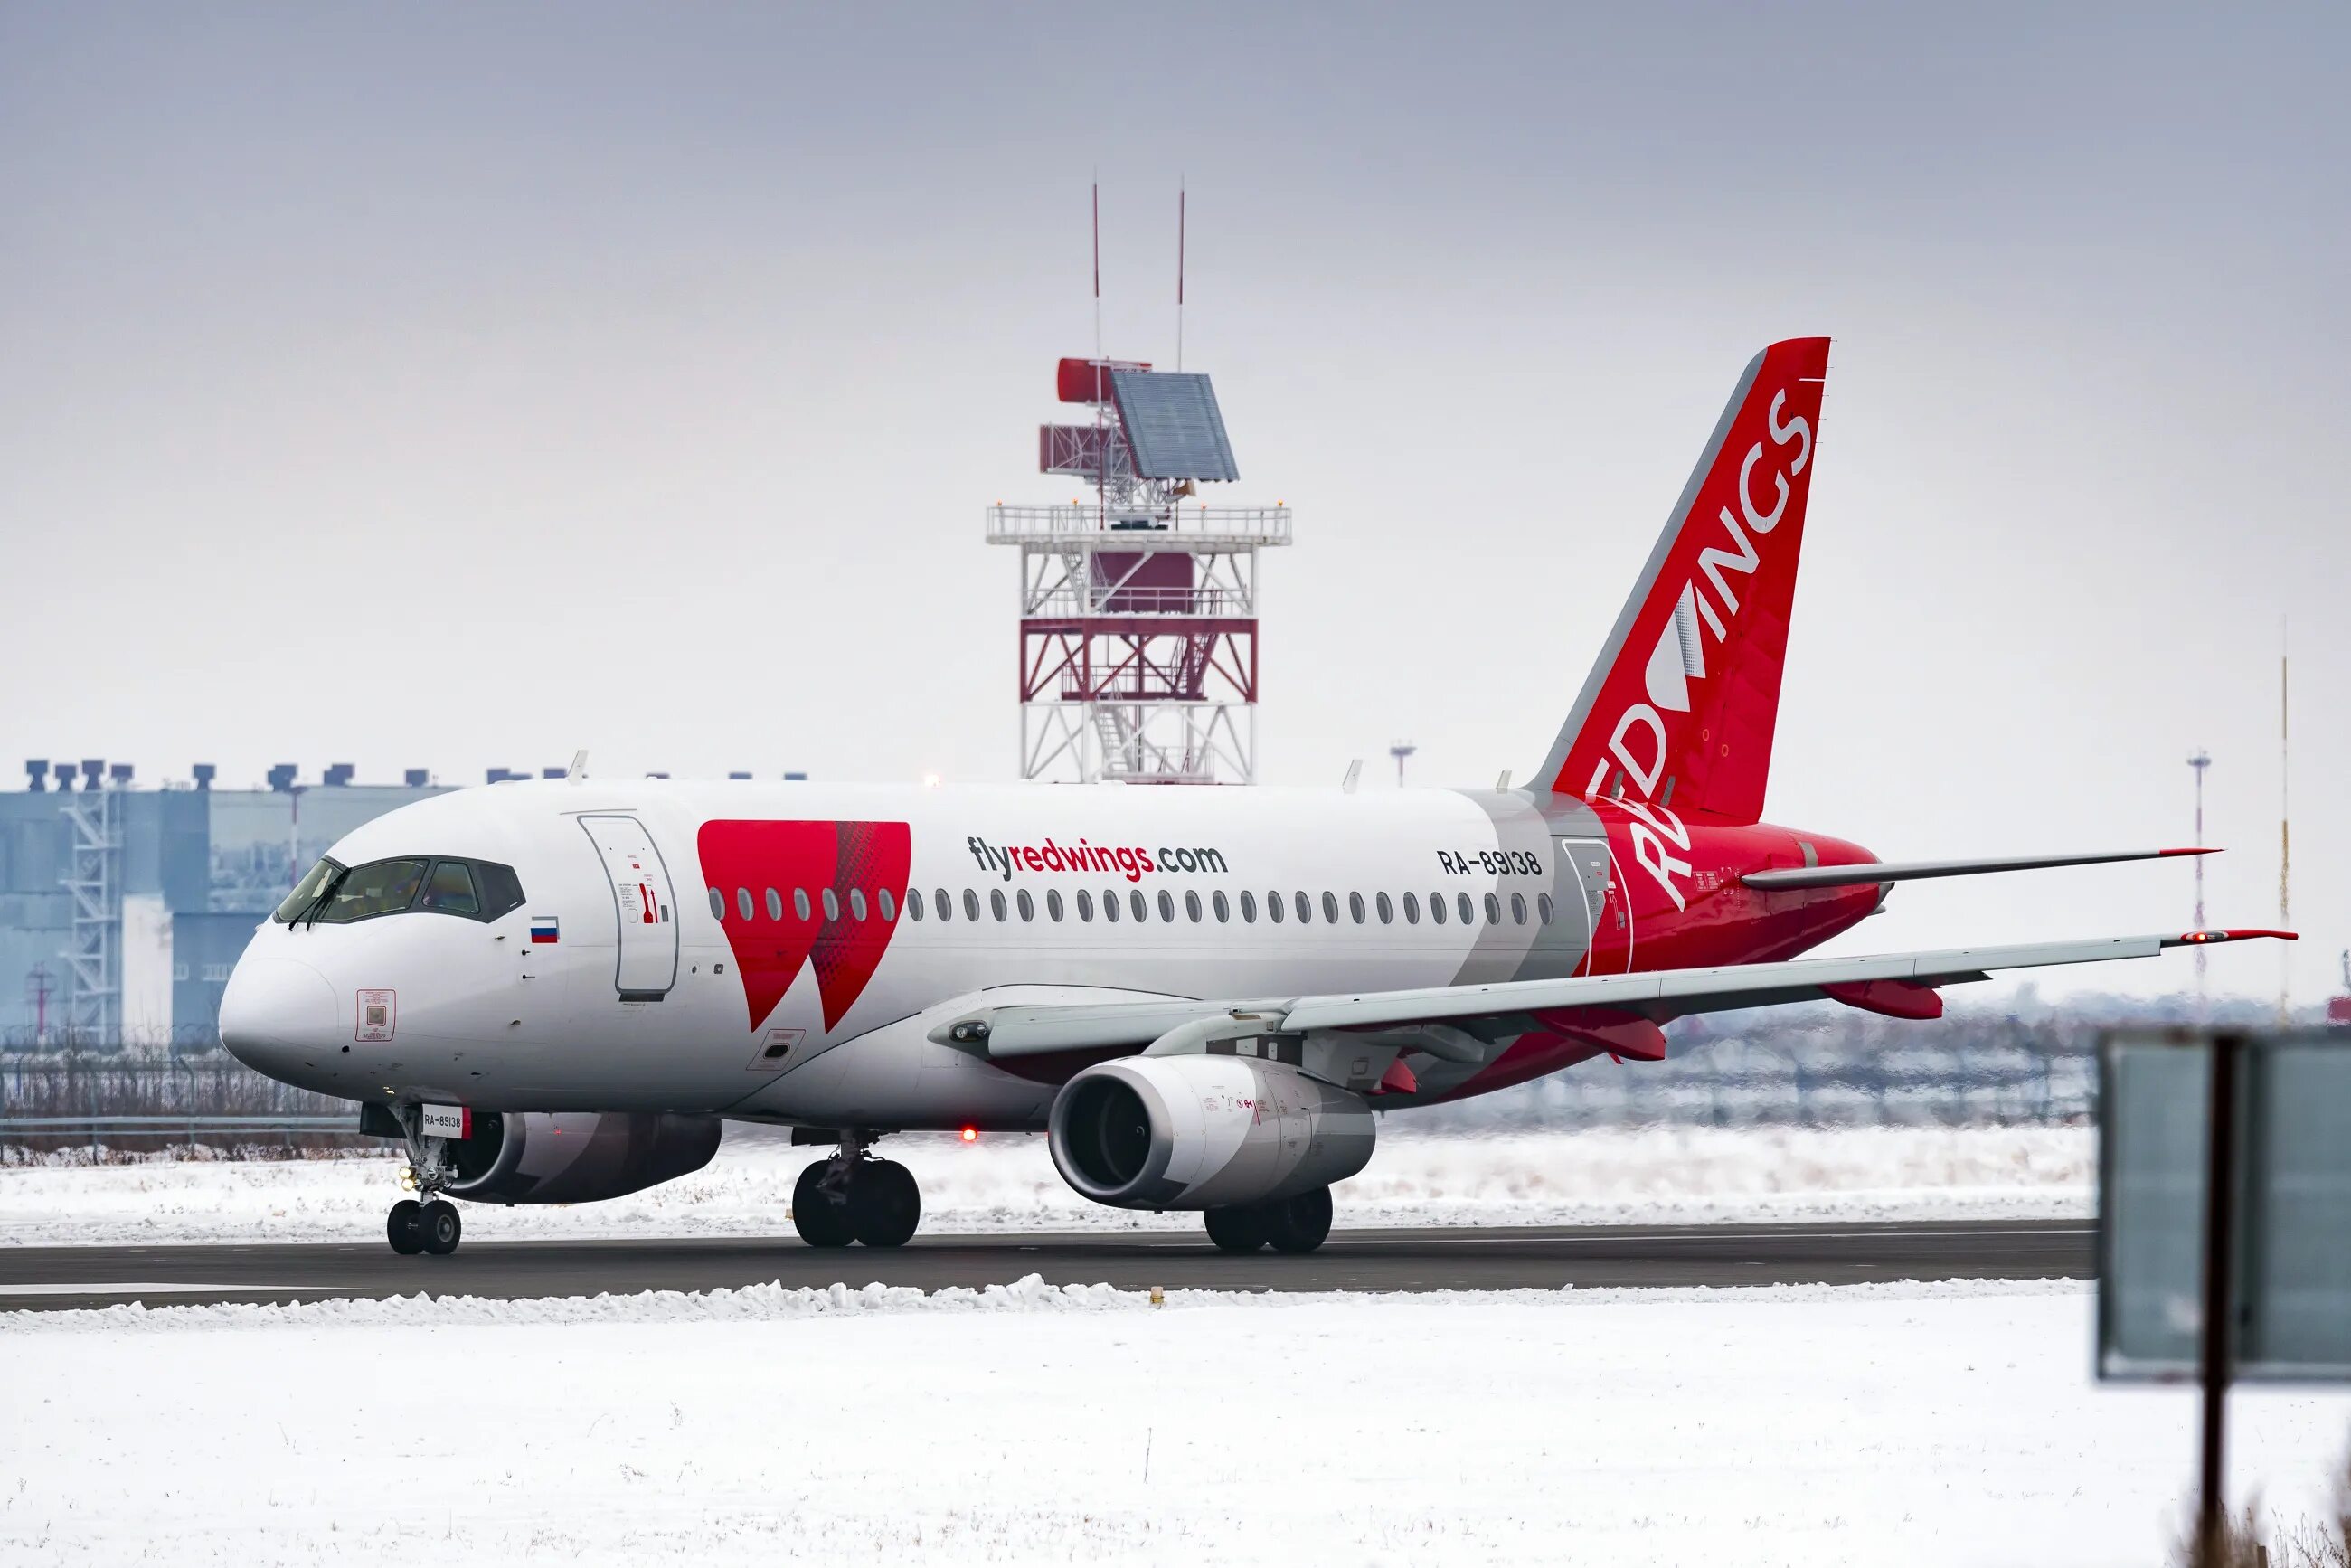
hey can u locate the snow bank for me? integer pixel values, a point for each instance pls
(773, 1302)
(1617, 1176)
(1810, 1425)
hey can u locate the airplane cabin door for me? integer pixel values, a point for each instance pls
(643, 903)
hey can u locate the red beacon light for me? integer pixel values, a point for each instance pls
(969, 1134)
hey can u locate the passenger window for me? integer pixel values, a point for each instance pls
(1437, 908)
(1543, 907)
(883, 898)
(831, 905)
(1192, 907)
(1053, 904)
(1461, 904)
(1028, 904)
(970, 904)
(1493, 910)
(856, 904)
(1167, 907)
(1248, 906)
(775, 904)
(1304, 905)
(1386, 909)
(743, 902)
(801, 905)
(1274, 907)
(1331, 908)
(941, 904)
(1356, 906)
(996, 901)
(1136, 902)
(501, 890)
(1085, 905)
(915, 902)
(1517, 909)
(450, 889)
(1411, 910)
(1109, 905)
(1224, 910)
(717, 904)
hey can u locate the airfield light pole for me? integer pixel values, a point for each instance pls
(2200, 761)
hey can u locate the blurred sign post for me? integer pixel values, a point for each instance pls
(2225, 1216)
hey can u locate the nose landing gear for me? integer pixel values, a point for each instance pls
(427, 1223)
(435, 1227)
(853, 1196)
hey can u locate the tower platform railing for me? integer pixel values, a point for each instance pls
(1185, 526)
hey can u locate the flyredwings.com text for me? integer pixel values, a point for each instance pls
(1083, 857)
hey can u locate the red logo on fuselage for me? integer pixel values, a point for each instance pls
(827, 893)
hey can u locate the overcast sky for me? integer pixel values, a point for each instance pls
(448, 387)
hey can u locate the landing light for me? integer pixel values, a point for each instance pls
(970, 1134)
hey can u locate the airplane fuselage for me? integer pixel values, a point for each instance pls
(782, 952)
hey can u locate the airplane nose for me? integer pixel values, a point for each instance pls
(274, 1012)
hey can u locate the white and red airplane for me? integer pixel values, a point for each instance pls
(555, 991)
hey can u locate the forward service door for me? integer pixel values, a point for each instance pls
(642, 901)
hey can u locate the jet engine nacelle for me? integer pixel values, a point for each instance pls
(577, 1156)
(1203, 1132)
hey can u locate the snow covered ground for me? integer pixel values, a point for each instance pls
(1905, 1424)
(1630, 1175)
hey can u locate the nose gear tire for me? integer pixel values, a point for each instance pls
(442, 1227)
(819, 1215)
(404, 1228)
(885, 1204)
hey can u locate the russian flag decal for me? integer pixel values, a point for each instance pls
(544, 928)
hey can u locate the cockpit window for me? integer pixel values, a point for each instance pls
(306, 892)
(474, 890)
(501, 890)
(379, 887)
(450, 889)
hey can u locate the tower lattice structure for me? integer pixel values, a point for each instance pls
(1139, 603)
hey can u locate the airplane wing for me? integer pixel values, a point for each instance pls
(1908, 870)
(1897, 983)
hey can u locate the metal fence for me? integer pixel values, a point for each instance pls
(106, 1105)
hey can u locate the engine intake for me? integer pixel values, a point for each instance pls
(1203, 1132)
(577, 1157)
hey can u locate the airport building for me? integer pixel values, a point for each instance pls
(122, 909)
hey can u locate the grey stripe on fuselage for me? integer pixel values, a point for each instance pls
(1622, 631)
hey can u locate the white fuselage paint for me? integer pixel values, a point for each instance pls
(484, 1017)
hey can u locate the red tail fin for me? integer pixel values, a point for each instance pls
(1680, 709)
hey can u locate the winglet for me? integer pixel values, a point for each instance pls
(2234, 933)
(2166, 855)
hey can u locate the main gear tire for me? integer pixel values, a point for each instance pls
(1298, 1224)
(821, 1215)
(885, 1203)
(1236, 1229)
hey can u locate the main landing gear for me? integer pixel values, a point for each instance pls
(428, 1222)
(1287, 1224)
(853, 1196)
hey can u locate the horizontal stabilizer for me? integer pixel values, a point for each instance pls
(1914, 871)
